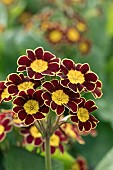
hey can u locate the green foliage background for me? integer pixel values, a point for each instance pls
(13, 43)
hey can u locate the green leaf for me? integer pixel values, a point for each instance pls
(20, 159)
(106, 162)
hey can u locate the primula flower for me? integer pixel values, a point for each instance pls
(84, 46)
(73, 35)
(81, 26)
(5, 125)
(56, 141)
(4, 95)
(72, 132)
(38, 63)
(30, 106)
(55, 35)
(32, 135)
(83, 118)
(16, 83)
(57, 97)
(77, 76)
(80, 164)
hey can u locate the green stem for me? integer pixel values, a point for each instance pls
(47, 153)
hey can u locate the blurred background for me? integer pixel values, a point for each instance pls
(81, 30)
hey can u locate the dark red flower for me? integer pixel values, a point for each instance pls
(56, 141)
(77, 76)
(83, 118)
(58, 97)
(38, 63)
(5, 125)
(16, 83)
(4, 95)
(29, 106)
(32, 135)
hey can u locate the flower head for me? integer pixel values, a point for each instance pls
(83, 118)
(77, 76)
(38, 63)
(5, 125)
(30, 106)
(32, 135)
(84, 46)
(73, 35)
(16, 83)
(58, 97)
(80, 164)
(4, 95)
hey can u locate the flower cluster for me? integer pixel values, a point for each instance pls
(47, 98)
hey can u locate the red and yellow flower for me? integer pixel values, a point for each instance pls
(77, 76)
(29, 106)
(32, 136)
(83, 118)
(80, 164)
(16, 83)
(38, 63)
(56, 141)
(4, 95)
(58, 97)
(5, 125)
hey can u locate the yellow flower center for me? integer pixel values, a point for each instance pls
(83, 47)
(39, 66)
(69, 131)
(5, 94)
(34, 132)
(75, 166)
(75, 77)
(1, 129)
(25, 86)
(55, 36)
(81, 26)
(83, 114)
(7, 2)
(73, 35)
(31, 106)
(59, 97)
(54, 140)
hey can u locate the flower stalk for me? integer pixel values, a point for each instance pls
(47, 153)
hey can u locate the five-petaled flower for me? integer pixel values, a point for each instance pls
(4, 95)
(30, 106)
(83, 118)
(39, 63)
(32, 136)
(56, 141)
(16, 83)
(58, 97)
(77, 76)
(5, 125)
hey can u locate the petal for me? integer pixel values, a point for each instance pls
(38, 115)
(38, 76)
(2, 136)
(89, 104)
(61, 148)
(48, 56)
(60, 109)
(53, 105)
(56, 84)
(21, 68)
(87, 126)
(69, 64)
(30, 93)
(23, 60)
(24, 95)
(48, 86)
(19, 101)
(44, 109)
(16, 109)
(30, 72)
(84, 68)
(89, 86)
(73, 87)
(64, 82)
(29, 139)
(73, 106)
(8, 128)
(74, 118)
(12, 89)
(29, 119)
(91, 77)
(15, 78)
(39, 53)
(31, 55)
(6, 122)
(64, 69)
(80, 126)
(22, 114)
(53, 149)
(46, 96)
(38, 141)
(37, 97)
(54, 67)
